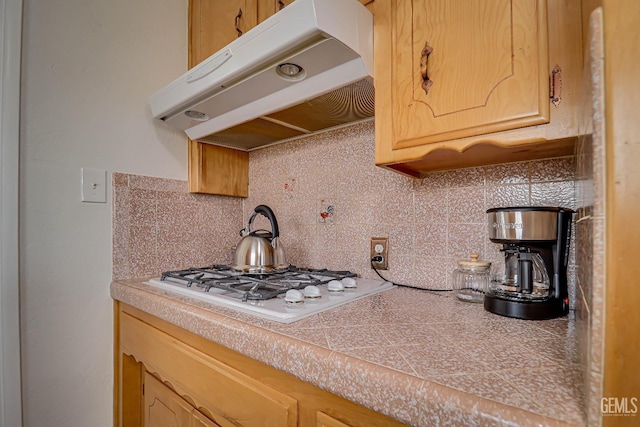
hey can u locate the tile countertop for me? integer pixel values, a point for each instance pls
(420, 357)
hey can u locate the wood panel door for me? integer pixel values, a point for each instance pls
(462, 84)
(218, 170)
(465, 68)
(213, 24)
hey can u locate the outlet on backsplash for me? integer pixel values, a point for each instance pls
(380, 248)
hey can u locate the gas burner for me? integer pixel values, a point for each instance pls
(254, 286)
(267, 294)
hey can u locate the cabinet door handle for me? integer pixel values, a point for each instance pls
(238, 16)
(424, 58)
(281, 5)
(555, 85)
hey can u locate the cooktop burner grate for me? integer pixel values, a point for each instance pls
(250, 286)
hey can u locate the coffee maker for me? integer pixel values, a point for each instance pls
(535, 243)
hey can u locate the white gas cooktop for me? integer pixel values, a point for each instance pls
(276, 308)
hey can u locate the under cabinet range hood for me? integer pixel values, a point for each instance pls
(305, 69)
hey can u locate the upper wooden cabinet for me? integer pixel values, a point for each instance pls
(462, 83)
(212, 25)
(218, 170)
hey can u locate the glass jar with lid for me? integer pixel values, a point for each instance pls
(471, 279)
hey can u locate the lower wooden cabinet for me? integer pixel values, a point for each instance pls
(166, 376)
(225, 395)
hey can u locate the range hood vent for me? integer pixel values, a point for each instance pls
(305, 69)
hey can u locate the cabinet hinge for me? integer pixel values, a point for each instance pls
(555, 85)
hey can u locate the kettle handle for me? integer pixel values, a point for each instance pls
(266, 211)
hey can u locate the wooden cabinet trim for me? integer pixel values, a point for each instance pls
(482, 154)
(163, 407)
(157, 393)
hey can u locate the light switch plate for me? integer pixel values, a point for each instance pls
(94, 185)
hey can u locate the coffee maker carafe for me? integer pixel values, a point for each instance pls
(535, 243)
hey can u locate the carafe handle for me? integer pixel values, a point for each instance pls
(525, 271)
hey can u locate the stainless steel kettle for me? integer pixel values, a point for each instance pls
(260, 251)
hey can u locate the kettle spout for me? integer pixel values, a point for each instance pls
(279, 257)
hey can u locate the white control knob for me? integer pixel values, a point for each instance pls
(294, 297)
(335, 286)
(312, 292)
(349, 283)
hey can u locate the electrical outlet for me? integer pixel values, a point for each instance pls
(380, 247)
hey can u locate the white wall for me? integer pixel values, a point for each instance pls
(10, 379)
(88, 69)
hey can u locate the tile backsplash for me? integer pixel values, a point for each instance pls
(329, 199)
(158, 225)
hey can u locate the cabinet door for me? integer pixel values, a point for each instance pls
(164, 408)
(214, 24)
(479, 93)
(462, 68)
(218, 170)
